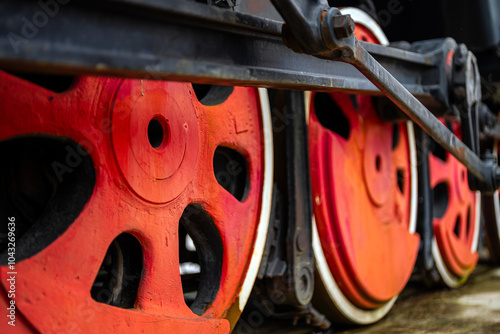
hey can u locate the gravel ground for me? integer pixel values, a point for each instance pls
(473, 308)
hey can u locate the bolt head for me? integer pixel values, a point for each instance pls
(301, 241)
(343, 26)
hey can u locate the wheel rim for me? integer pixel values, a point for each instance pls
(456, 216)
(364, 195)
(144, 184)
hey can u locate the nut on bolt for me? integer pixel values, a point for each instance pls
(301, 241)
(343, 26)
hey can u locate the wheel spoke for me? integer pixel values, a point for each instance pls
(234, 212)
(233, 123)
(441, 170)
(38, 110)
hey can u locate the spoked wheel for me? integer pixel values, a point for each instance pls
(456, 215)
(364, 197)
(491, 211)
(140, 206)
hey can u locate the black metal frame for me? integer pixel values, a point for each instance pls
(287, 268)
(237, 49)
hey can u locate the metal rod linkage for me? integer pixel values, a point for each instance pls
(398, 94)
(335, 41)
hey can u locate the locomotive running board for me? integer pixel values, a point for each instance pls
(188, 41)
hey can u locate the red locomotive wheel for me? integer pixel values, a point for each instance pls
(140, 206)
(364, 197)
(456, 211)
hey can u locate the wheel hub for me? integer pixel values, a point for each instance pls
(139, 121)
